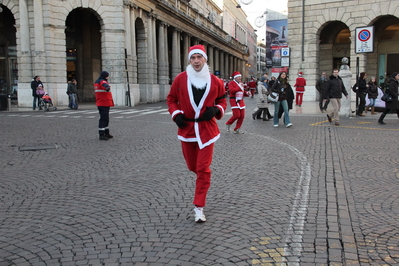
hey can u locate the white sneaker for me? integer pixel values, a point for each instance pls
(288, 125)
(228, 128)
(275, 125)
(238, 131)
(199, 215)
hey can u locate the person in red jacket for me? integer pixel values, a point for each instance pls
(300, 84)
(196, 99)
(236, 94)
(104, 101)
(252, 86)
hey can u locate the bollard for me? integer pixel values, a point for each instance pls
(9, 102)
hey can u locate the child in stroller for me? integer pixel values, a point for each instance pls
(46, 102)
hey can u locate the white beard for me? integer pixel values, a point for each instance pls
(199, 79)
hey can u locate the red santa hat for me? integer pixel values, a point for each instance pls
(300, 74)
(197, 49)
(236, 74)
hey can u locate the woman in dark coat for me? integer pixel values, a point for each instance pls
(372, 93)
(361, 92)
(283, 88)
(393, 90)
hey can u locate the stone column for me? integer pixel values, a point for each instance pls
(226, 65)
(38, 24)
(24, 59)
(186, 44)
(222, 65)
(346, 76)
(176, 68)
(217, 59)
(211, 59)
(162, 51)
(39, 60)
(133, 45)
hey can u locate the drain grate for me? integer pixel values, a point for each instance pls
(38, 148)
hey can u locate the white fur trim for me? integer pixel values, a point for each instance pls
(197, 51)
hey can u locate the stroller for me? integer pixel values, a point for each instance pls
(45, 103)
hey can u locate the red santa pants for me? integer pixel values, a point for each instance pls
(299, 98)
(198, 161)
(238, 114)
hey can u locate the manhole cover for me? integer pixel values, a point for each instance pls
(38, 148)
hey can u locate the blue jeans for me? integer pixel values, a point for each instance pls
(72, 101)
(286, 115)
(372, 102)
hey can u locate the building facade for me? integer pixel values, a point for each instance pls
(143, 44)
(321, 33)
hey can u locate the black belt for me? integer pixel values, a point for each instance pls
(232, 97)
(193, 120)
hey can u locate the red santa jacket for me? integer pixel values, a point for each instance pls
(236, 94)
(181, 101)
(252, 84)
(300, 84)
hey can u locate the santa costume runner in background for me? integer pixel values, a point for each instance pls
(300, 84)
(237, 94)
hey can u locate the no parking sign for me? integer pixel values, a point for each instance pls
(364, 40)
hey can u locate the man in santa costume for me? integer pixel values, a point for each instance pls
(252, 86)
(300, 84)
(196, 99)
(236, 95)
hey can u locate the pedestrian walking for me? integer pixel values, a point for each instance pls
(72, 93)
(262, 103)
(300, 84)
(104, 102)
(372, 94)
(333, 92)
(320, 86)
(237, 94)
(393, 91)
(36, 84)
(361, 87)
(196, 99)
(282, 87)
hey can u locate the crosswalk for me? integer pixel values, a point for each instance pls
(90, 114)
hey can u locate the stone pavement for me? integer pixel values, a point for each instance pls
(312, 194)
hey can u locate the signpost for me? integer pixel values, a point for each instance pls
(364, 44)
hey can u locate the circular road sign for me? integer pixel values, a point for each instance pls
(364, 35)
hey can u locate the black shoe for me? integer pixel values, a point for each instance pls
(329, 118)
(253, 116)
(381, 122)
(104, 137)
(109, 136)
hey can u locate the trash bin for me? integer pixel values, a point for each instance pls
(3, 102)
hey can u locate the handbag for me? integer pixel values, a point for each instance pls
(387, 97)
(273, 97)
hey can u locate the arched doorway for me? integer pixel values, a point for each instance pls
(386, 30)
(83, 43)
(8, 58)
(334, 45)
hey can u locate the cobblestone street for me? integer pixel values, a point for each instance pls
(312, 194)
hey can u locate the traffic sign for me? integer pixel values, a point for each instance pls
(285, 51)
(364, 40)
